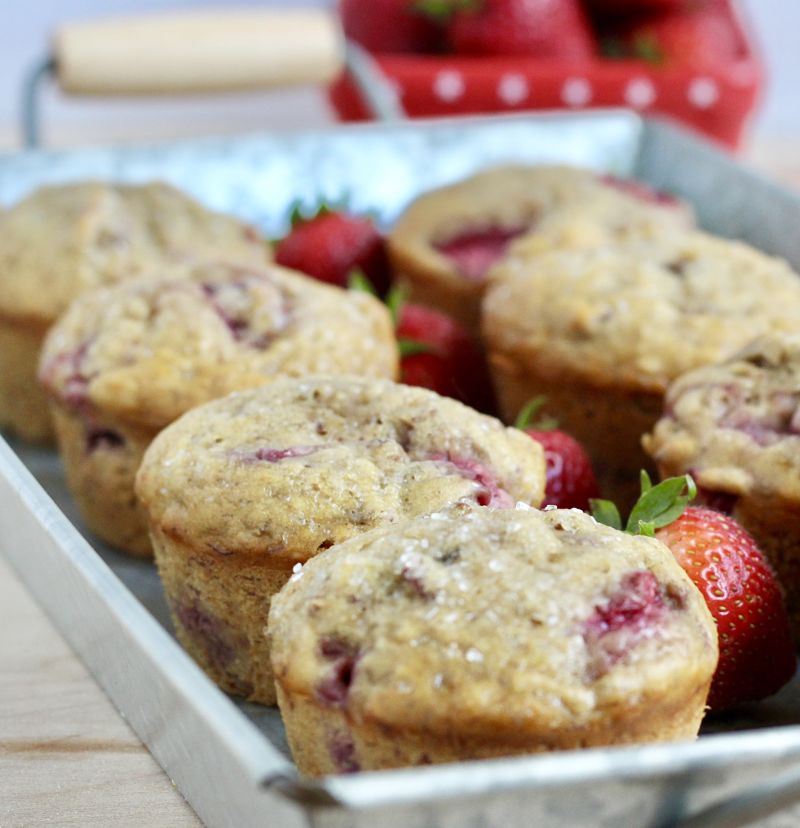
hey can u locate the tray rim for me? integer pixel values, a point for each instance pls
(374, 789)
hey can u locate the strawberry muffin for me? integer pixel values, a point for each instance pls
(125, 361)
(242, 490)
(63, 240)
(471, 634)
(735, 427)
(603, 331)
(447, 240)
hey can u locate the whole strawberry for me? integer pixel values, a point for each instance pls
(535, 28)
(698, 37)
(389, 26)
(602, 7)
(570, 479)
(438, 353)
(756, 653)
(331, 244)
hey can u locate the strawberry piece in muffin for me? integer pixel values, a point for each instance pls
(473, 252)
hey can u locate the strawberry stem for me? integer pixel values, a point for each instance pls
(358, 281)
(395, 300)
(300, 212)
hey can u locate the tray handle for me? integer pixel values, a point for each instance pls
(201, 52)
(194, 52)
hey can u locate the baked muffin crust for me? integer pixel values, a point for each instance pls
(602, 331)
(735, 427)
(239, 491)
(447, 240)
(147, 352)
(303, 464)
(125, 361)
(490, 632)
(63, 240)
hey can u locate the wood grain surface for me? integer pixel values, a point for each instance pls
(66, 756)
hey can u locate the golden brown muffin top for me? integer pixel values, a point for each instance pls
(147, 351)
(485, 622)
(520, 200)
(289, 469)
(63, 240)
(736, 426)
(636, 314)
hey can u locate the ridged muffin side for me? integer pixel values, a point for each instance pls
(476, 633)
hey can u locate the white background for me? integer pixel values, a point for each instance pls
(25, 26)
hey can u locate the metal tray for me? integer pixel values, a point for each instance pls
(230, 760)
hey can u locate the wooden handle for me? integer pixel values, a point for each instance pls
(198, 52)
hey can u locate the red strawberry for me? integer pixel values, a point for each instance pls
(536, 28)
(756, 652)
(701, 37)
(570, 479)
(439, 354)
(630, 6)
(389, 26)
(331, 244)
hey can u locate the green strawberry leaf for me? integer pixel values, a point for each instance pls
(357, 281)
(606, 512)
(300, 212)
(411, 347)
(613, 48)
(645, 483)
(525, 417)
(648, 529)
(296, 213)
(440, 11)
(660, 505)
(395, 300)
(647, 48)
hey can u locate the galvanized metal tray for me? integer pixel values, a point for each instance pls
(230, 760)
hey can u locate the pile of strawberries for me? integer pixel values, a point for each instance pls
(657, 31)
(756, 651)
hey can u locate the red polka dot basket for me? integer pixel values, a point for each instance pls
(715, 99)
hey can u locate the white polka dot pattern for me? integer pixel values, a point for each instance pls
(576, 92)
(449, 85)
(513, 89)
(640, 93)
(703, 93)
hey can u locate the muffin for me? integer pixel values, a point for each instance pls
(125, 361)
(735, 427)
(602, 332)
(447, 240)
(473, 634)
(63, 240)
(240, 491)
